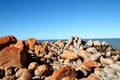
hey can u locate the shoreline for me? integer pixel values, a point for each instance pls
(74, 59)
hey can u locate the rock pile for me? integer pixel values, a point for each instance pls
(74, 59)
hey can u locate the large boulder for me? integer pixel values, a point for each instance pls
(6, 41)
(12, 57)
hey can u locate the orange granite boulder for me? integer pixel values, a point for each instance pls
(6, 41)
(63, 72)
(30, 43)
(69, 54)
(12, 57)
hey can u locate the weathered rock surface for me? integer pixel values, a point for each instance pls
(12, 57)
(68, 54)
(30, 43)
(6, 41)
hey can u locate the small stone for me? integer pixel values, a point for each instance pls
(36, 78)
(92, 77)
(23, 74)
(64, 71)
(9, 71)
(42, 70)
(115, 67)
(108, 54)
(106, 60)
(108, 70)
(33, 66)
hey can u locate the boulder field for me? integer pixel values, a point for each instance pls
(73, 59)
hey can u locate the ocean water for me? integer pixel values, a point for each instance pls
(115, 42)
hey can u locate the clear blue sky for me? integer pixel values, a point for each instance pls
(58, 19)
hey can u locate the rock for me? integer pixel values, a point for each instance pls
(13, 77)
(6, 41)
(65, 71)
(89, 43)
(115, 67)
(92, 50)
(108, 54)
(23, 74)
(92, 77)
(41, 50)
(68, 78)
(30, 43)
(108, 70)
(95, 57)
(84, 54)
(33, 66)
(83, 66)
(36, 78)
(9, 71)
(42, 70)
(97, 43)
(68, 54)
(115, 58)
(20, 44)
(106, 61)
(109, 48)
(12, 57)
(89, 62)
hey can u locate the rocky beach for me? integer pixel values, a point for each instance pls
(73, 59)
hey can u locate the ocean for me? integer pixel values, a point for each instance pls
(115, 42)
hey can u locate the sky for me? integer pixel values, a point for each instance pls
(60, 19)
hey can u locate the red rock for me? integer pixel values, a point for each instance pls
(6, 41)
(42, 70)
(65, 71)
(20, 44)
(92, 77)
(84, 54)
(40, 50)
(89, 62)
(85, 66)
(12, 57)
(68, 54)
(97, 64)
(30, 43)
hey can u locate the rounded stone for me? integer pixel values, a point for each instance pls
(41, 70)
(33, 66)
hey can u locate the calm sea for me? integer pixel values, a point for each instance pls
(115, 42)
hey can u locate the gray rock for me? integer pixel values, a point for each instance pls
(115, 67)
(92, 50)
